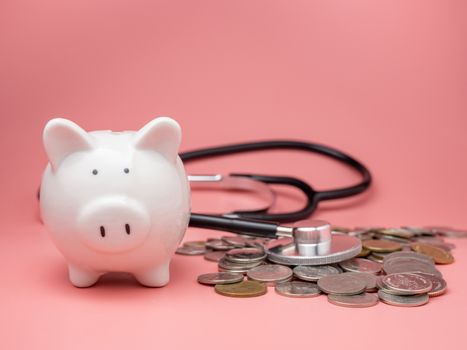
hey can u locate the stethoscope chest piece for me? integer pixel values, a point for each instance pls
(311, 242)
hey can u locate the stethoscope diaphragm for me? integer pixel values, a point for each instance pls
(311, 242)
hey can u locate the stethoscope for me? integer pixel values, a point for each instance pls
(305, 242)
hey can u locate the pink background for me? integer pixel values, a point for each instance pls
(383, 80)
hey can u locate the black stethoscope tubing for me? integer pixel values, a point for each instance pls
(263, 224)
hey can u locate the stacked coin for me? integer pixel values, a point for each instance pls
(404, 289)
(242, 259)
(270, 274)
(348, 289)
(397, 263)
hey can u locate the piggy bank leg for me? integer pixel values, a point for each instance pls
(157, 276)
(82, 278)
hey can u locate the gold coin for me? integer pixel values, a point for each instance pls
(340, 229)
(381, 245)
(242, 289)
(195, 244)
(364, 252)
(439, 255)
(397, 232)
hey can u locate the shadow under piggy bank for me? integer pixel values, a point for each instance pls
(112, 286)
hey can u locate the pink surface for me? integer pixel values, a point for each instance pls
(385, 81)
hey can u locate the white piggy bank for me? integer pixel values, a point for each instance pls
(115, 201)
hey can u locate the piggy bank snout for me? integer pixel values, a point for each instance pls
(113, 225)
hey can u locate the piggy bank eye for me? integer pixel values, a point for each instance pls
(126, 170)
(94, 171)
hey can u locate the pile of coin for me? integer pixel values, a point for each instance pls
(396, 266)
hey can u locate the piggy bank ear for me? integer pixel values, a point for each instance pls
(62, 137)
(162, 135)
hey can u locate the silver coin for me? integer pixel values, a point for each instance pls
(429, 239)
(366, 236)
(240, 270)
(341, 284)
(245, 255)
(397, 232)
(402, 260)
(361, 265)
(381, 286)
(220, 278)
(246, 237)
(436, 228)
(403, 300)
(214, 255)
(270, 274)
(337, 267)
(362, 234)
(218, 244)
(257, 242)
(393, 238)
(314, 273)
(417, 231)
(439, 284)
(229, 265)
(368, 278)
(357, 232)
(407, 283)
(454, 233)
(407, 254)
(407, 264)
(297, 289)
(190, 250)
(358, 300)
(236, 241)
(411, 268)
(447, 231)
